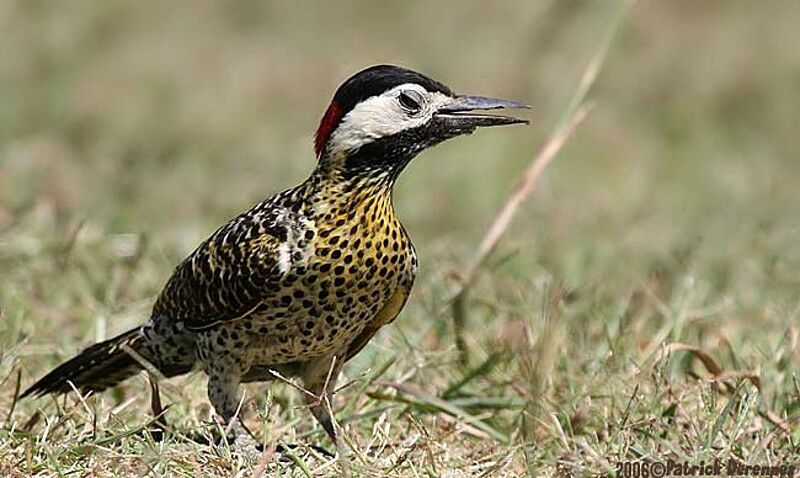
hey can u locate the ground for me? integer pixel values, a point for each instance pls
(642, 308)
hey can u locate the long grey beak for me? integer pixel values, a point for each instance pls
(462, 106)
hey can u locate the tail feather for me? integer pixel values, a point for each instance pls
(98, 367)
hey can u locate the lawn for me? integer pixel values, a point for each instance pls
(642, 307)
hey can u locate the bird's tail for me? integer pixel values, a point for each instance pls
(98, 367)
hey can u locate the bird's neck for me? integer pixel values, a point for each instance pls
(337, 191)
(369, 170)
(377, 163)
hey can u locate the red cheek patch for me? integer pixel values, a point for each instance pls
(326, 126)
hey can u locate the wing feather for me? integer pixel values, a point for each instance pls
(232, 272)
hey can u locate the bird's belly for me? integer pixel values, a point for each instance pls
(322, 311)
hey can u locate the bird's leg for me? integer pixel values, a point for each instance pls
(224, 378)
(320, 380)
(223, 392)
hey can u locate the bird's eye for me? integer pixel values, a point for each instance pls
(411, 100)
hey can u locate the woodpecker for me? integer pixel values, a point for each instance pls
(299, 283)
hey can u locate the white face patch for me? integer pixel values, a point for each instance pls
(382, 116)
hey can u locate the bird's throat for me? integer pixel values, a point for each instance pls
(337, 195)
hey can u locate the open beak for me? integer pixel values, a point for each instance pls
(460, 111)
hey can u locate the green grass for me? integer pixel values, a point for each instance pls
(129, 131)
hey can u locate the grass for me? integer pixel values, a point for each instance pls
(643, 305)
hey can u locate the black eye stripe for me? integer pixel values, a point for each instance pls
(410, 100)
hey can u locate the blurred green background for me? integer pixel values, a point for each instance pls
(129, 130)
(168, 117)
(164, 119)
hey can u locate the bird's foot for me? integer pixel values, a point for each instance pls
(239, 439)
(285, 450)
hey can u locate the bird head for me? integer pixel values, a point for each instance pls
(383, 116)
